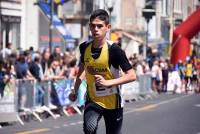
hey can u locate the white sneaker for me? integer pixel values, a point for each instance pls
(39, 110)
(24, 109)
(51, 106)
(57, 115)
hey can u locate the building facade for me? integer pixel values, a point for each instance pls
(20, 19)
(10, 22)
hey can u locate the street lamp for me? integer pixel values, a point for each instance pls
(110, 7)
(51, 25)
(148, 12)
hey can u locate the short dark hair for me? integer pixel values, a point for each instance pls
(101, 14)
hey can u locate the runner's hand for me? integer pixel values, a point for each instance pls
(99, 80)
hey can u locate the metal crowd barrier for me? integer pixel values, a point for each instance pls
(23, 97)
(8, 104)
(145, 83)
(33, 98)
(137, 90)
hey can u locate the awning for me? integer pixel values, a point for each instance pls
(140, 41)
(57, 23)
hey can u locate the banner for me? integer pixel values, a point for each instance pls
(8, 104)
(182, 36)
(63, 89)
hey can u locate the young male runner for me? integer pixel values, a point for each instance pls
(100, 64)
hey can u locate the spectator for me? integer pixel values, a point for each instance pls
(57, 52)
(2, 76)
(174, 80)
(156, 74)
(45, 61)
(22, 68)
(139, 69)
(188, 74)
(54, 71)
(5, 52)
(165, 72)
(180, 67)
(22, 72)
(36, 68)
(36, 71)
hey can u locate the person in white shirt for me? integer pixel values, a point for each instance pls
(156, 75)
(139, 69)
(5, 52)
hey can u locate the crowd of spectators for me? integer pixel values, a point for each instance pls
(179, 78)
(59, 64)
(36, 65)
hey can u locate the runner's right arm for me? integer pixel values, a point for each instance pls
(79, 78)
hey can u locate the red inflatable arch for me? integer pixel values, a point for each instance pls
(182, 36)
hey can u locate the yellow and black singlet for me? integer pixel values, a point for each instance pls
(106, 61)
(105, 97)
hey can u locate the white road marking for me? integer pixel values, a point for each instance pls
(73, 123)
(80, 122)
(147, 107)
(57, 127)
(35, 131)
(197, 105)
(65, 125)
(150, 106)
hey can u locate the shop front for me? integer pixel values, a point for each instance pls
(10, 31)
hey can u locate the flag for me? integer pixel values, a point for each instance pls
(59, 1)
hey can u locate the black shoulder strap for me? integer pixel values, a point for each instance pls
(118, 96)
(83, 47)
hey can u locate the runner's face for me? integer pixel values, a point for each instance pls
(98, 28)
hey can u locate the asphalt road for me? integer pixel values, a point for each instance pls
(164, 114)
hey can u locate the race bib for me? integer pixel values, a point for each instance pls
(102, 91)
